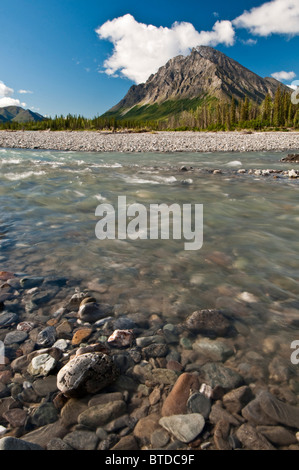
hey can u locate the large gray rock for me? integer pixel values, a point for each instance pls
(92, 311)
(184, 427)
(209, 322)
(217, 374)
(12, 443)
(87, 373)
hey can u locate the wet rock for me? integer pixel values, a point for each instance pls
(291, 157)
(277, 435)
(277, 410)
(87, 373)
(184, 427)
(209, 322)
(46, 337)
(144, 341)
(159, 438)
(91, 312)
(221, 435)
(218, 375)
(121, 338)
(25, 326)
(146, 427)
(236, 399)
(44, 386)
(252, 439)
(176, 401)
(156, 350)
(15, 337)
(16, 417)
(219, 414)
(279, 370)
(58, 444)
(30, 282)
(8, 318)
(42, 365)
(43, 435)
(82, 440)
(164, 376)
(13, 443)
(126, 443)
(93, 348)
(214, 350)
(44, 414)
(198, 403)
(71, 410)
(124, 323)
(81, 335)
(99, 415)
(103, 398)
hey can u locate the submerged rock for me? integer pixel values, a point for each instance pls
(176, 402)
(209, 322)
(87, 373)
(184, 427)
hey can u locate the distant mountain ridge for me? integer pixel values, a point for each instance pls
(18, 114)
(186, 82)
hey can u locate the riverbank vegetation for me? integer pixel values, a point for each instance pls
(273, 114)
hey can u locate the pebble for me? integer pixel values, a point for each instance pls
(209, 322)
(42, 364)
(47, 336)
(81, 440)
(91, 312)
(81, 335)
(121, 338)
(176, 401)
(15, 337)
(216, 374)
(251, 439)
(214, 350)
(13, 443)
(184, 427)
(198, 403)
(87, 373)
(7, 318)
(99, 415)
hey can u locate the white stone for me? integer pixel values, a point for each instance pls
(41, 365)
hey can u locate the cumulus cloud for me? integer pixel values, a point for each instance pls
(283, 75)
(24, 92)
(140, 49)
(5, 97)
(274, 17)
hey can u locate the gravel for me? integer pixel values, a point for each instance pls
(151, 141)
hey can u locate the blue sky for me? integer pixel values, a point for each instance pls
(81, 56)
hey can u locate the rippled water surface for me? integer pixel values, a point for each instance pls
(248, 265)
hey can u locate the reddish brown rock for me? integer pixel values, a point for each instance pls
(176, 402)
(81, 335)
(16, 417)
(121, 338)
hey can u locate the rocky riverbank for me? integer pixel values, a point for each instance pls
(151, 142)
(76, 375)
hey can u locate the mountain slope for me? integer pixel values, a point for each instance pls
(18, 114)
(184, 83)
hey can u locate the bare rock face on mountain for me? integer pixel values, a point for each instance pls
(204, 73)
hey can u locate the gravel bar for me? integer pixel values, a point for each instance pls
(87, 141)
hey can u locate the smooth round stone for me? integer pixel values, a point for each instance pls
(42, 364)
(184, 427)
(198, 403)
(47, 336)
(159, 438)
(91, 312)
(15, 337)
(29, 282)
(214, 350)
(44, 414)
(61, 344)
(7, 318)
(87, 373)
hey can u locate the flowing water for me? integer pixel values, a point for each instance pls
(248, 264)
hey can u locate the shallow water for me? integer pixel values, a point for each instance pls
(250, 232)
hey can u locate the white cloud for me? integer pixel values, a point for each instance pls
(24, 92)
(283, 75)
(274, 17)
(5, 90)
(7, 101)
(249, 42)
(5, 97)
(140, 49)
